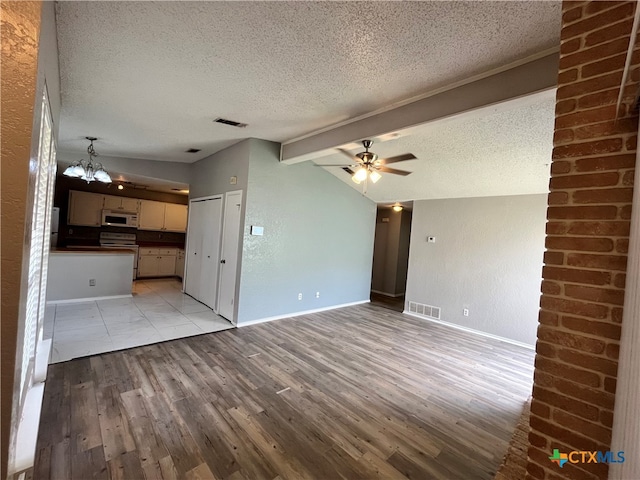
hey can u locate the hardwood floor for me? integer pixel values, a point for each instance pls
(357, 393)
(394, 303)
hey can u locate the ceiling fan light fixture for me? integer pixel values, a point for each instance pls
(361, 174)
(374, 176)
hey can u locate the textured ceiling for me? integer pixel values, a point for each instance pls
(148, 78)
(502, 150)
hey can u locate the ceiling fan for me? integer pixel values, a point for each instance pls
(368, 166)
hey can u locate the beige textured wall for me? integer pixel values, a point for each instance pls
(20, 32)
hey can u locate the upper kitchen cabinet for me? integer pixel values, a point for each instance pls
(120, 203)
(169, 217)
(85, 208)
(175, 217)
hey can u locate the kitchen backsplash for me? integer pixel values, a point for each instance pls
(72, 235)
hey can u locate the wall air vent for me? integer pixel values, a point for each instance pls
(192, 150)
(423, 310)
(230, 122)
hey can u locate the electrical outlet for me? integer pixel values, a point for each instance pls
(92, 282)
(465, 312)
(317, 294)
(299, 296)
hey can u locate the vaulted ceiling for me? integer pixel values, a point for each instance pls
(149, 78)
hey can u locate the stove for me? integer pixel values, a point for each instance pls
(121, 241)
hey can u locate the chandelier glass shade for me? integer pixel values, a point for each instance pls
(88, 170)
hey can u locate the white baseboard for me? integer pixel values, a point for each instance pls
(297, 314)
(88, 299)
(386, 294)
(471, 330)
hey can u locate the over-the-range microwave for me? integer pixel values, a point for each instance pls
(118, 218)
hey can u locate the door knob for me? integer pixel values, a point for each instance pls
(223, 261)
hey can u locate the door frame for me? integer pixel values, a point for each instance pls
(186, 244)
(234, 319)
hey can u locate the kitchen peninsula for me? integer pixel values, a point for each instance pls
(80, 274)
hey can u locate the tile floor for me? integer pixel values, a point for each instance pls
(158, 311)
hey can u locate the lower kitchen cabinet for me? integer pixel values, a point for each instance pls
(157, 262)
(180, 263)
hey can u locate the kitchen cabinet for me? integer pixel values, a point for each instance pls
(157, 262)
(161, 216)
(180, 263)
(85, 208)
(175, 217)
(125, 204)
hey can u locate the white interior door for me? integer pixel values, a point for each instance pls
(203, 250)
(193, 270)
(210, 261)
(229, 255)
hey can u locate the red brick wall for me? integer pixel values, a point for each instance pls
(587, 239)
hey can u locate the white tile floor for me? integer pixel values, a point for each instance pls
(158, 311)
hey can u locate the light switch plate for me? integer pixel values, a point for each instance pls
(255, 230)
(233, 180)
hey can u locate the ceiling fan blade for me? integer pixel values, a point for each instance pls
(352, 157)
(398, 158)
(395, 171)
(333, 165)
(348, 170)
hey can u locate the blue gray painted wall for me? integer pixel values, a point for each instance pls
(487, 258)
(211, 175)
(318, 237)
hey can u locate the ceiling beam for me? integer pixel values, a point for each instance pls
(520, 81)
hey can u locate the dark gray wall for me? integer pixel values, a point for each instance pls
(487, 258)
(318, 237)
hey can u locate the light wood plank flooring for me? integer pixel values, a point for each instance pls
(357, 393)
(394, 303)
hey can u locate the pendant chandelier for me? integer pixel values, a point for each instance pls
(87, 170)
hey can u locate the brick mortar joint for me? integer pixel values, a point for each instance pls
(598, 408)
(579, 367)
(597, 356)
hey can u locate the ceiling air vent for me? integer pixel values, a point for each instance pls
(230, 122)
(192, 150)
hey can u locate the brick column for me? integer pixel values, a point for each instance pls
(583, 283)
